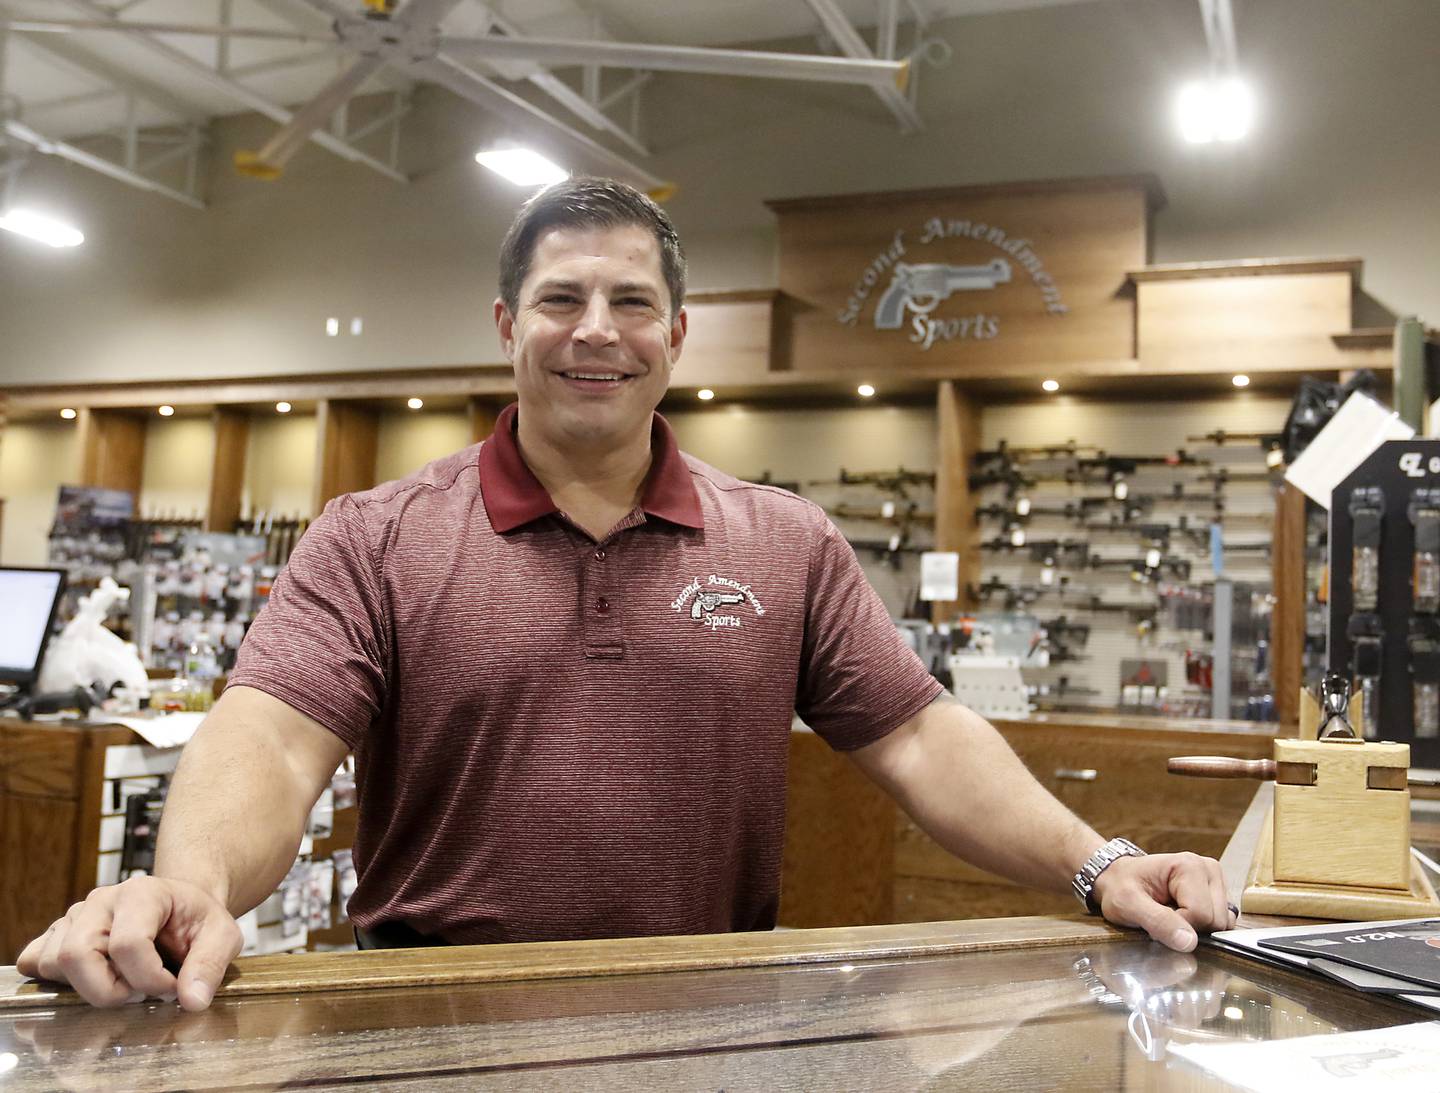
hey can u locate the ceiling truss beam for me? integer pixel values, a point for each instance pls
(837, 25)
(234, 89)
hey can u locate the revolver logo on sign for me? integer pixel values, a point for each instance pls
(709, 602)
(921, 287)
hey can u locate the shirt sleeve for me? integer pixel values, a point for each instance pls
(858, 679)
(321, 643)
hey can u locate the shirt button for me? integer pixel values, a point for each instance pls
(599, 554)
(602, 606)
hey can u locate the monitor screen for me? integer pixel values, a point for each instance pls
(28, 601)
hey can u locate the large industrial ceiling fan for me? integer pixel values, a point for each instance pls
(408, 36)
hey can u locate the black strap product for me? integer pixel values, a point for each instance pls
(1424, 513)
(1367, 507)
(1365, 637)
(1424, 647)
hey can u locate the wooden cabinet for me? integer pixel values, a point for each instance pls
(63, 791)
(1110, 772)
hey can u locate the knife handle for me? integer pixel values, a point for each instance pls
(1221, 766)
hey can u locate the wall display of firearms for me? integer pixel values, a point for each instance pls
(281, 533)
(1149, 520)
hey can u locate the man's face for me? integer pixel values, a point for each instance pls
(593, 341)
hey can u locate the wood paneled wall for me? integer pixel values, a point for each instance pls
(1287, 617)
(958, 421)
(227, 474)
(348, 435)
(112, 449)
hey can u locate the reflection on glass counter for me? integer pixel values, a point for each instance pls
(1073, 1016)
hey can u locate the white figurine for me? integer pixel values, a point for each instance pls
(85, 653)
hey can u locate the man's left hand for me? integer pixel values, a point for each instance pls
(1169, 896)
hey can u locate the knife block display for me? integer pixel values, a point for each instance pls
(1336, 843)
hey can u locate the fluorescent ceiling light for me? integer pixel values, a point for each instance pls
(522, 166)
(41, 228)
(1211, 110)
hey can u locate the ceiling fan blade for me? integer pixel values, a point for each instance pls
(269, 162)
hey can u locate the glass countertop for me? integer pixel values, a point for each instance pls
(1093, 1016)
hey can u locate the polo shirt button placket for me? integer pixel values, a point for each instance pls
(603, 639)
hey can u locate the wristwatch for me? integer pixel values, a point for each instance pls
(1097, 863)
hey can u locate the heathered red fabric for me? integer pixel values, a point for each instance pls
(553, 740)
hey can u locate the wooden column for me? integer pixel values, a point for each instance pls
(483, 413)
(112, 450)
(958, 421)
(1287, 618)
(227, 471)
(347, 440)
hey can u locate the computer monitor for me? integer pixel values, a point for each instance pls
(29, 599)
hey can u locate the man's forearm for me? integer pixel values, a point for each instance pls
(955, 775)
(236, 810)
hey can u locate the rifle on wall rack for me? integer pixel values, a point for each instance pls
(898, 482)
(766, 480)
(889, 513)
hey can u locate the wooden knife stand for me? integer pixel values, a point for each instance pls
(1336, 844)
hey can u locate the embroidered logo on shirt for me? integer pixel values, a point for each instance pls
(707, 601)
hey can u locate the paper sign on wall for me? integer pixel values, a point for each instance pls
(1356, 430)
(939, 575)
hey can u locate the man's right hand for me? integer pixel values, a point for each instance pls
(109, 946)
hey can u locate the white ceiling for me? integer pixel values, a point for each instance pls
(72, 86)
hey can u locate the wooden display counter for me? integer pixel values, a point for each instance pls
(852, 857)
(1033, 1003)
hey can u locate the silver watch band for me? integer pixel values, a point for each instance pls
(1097, 863)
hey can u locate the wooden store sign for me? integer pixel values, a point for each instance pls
(975, 280)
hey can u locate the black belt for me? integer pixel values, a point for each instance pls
(394, 935)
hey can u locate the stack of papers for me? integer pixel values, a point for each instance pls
(1400, 957)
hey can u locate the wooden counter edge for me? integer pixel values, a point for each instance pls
(304, 973)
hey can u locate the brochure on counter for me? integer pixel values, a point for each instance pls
(1399, 957)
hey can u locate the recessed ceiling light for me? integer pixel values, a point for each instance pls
(416, 403)
(68, 414)
(865, 390)
(1241, 381)
(332, 326)
(1051, 385)
(704, 394)
(43, 229)
(282, 407)
(357, 325)
(167, 411)
(522, 166)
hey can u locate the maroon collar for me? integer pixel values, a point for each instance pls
(514, 496)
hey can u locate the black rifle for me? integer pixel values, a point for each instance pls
(1050, 552)
(766, 480)
(898, 481)
(1076, 508)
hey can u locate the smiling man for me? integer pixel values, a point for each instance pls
(566, 661)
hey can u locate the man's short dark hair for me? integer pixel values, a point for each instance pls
(584, 202)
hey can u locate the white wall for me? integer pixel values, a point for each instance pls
(1344, 161)
(175, 479)
(411, 438)
(36, 459)
(280, 465)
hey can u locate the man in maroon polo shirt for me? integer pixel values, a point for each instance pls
(566, 661)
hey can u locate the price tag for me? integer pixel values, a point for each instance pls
(1047, 575)
(1022, 506)
(1152, 558)
(887, 510)
(1122, 490)
(1017, 537)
